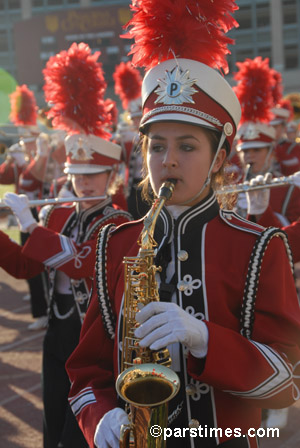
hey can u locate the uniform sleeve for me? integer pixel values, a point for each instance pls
(293, 209)
(14, 262)
(264, 369)
(29, 183)
(9, 173)
(293, 233)
(90, 369)
(60, 252)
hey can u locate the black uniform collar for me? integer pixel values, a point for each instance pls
(93, 211)
(189, 221)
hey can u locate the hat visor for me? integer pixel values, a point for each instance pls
(247, 145)
(86, 169)
(178, 118)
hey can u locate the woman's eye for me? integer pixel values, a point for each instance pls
(156, 148)
(186, 147)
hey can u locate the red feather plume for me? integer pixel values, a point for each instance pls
(112, 110)
(277, 90)
(164, 29)
(254, 89)
(74, 87)
(128, 83)
(23, 107)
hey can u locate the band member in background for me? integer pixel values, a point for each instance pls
(24, 114)
(128, 83)
(259, 210)
(230, 363)
(287, 150)
(257, 137)
(65, 243)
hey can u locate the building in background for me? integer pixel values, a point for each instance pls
(33, 30)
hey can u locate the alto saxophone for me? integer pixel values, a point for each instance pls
(146, 383)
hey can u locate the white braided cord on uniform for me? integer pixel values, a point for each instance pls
(247, 317)
(106, 311)
(100, 222)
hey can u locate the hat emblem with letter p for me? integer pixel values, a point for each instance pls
(176, 87)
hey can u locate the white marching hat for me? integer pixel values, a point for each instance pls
(89, 154)
(189, 91)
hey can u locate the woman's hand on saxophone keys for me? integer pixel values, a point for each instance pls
(107, 434)
(163, 323)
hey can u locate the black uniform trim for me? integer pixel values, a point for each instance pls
(252, 280)
(104, 301)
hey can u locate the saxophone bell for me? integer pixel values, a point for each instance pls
(147, 388)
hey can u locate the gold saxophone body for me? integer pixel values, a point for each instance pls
(146, 383)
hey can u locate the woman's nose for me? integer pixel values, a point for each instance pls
(169, 158)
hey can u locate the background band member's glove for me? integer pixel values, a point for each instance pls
(17, 154)
(164, 323)
(296, 179)
(19, 204)
(258, 200)
(42, 145)
(107, 434)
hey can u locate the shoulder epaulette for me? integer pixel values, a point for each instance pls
(238, 222)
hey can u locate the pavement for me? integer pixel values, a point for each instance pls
(20, 376)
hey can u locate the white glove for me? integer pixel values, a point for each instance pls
(17, 154)
(163, 323)
(20, 206)
(107, 434)
(241, 202)
(258, 200)
(42, 145)
(296, 179)
(18, 158)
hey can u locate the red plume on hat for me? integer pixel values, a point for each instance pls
(184, 29)
(277, 88)
(74, 87)
(112, 110)
(128, 83)
(23, 107)
(254, 89)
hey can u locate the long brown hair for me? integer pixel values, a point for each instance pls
(218, 179)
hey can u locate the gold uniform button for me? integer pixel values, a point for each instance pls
(182, 285)
(194, 423)
(190, 389)
(182, 255)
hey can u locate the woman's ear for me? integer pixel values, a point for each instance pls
(219, 160)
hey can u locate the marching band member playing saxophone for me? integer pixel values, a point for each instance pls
(234, 353)
(65, 241)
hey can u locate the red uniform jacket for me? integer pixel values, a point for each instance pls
(269, 218)
(13, 262)
(10, 173)
(239, 375)
(49, 247)
(288, 156)
(285, 202)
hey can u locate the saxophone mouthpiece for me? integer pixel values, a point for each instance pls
(167, 188)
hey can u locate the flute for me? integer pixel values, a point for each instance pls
(246, 186)
(45, 201)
